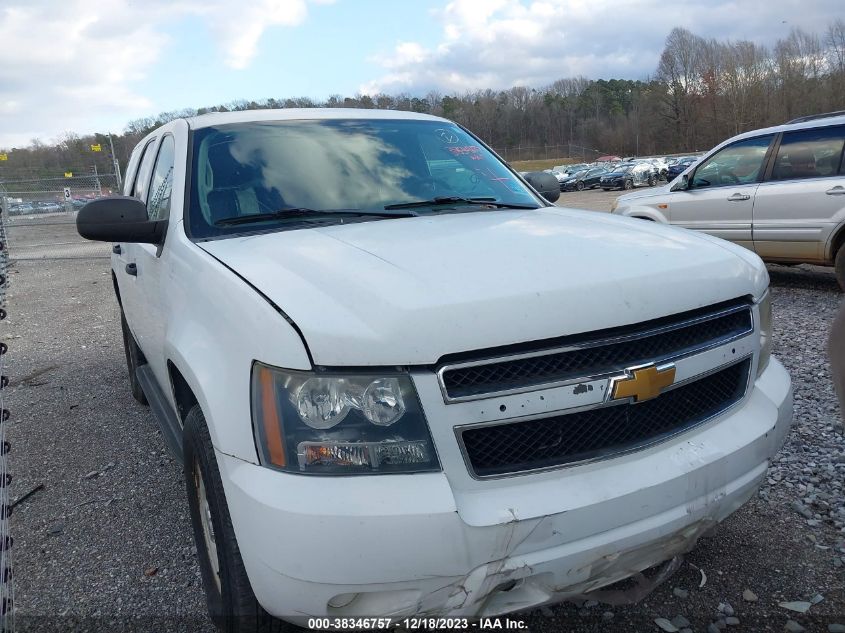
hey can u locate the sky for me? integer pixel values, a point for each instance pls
(88, 66)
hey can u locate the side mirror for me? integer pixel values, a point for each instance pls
(119, 219)
(545, 184)
(681, 184)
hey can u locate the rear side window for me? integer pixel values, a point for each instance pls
(737, 164)
(161, 187)
(142, 176)
(809, 154)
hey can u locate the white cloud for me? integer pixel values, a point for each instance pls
(502, 43)
(239, 26)
(74, 64)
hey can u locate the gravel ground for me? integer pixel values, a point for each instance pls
(106, 544)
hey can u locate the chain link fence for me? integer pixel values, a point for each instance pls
(41, 216)
(546, 152)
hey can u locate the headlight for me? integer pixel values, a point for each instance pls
(339, 423)
(764, 309)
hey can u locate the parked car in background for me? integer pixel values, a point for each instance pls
(384, 403)
(661, 166)
(649, 164)
(21, 208)
(568, 181)
(584, 179)
(779, 192)
(628, 176)
(570, 169)
(679, 166)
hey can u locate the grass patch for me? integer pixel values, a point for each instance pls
(540, 165)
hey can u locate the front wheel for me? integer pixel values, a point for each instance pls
(629, 184)
(579, 186)
(231, 601)
(651, 181)
(839, 267)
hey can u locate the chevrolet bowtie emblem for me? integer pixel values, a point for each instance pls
(643, 383)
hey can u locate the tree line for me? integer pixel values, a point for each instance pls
(702, 91)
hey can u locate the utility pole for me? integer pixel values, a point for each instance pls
(97, 186)
(116, 166)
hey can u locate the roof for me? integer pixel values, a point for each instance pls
(291, 114)
(789, 127)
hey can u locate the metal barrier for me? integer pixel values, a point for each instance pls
(41, 216)
(7, 585)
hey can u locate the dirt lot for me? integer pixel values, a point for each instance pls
(106, 543)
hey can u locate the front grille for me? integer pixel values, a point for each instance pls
(603, 352)
(603, 432)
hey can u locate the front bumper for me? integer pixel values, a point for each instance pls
(398, 545)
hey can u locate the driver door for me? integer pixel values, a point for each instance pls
(720, 197)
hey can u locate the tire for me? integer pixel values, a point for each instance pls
(134, 359)
(231, 602)
(839, 266)
(651, 181)
(579, 186)
(628, 184)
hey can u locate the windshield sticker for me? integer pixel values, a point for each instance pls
(471, 151)
(447, 136)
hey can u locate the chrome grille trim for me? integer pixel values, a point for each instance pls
(607, 404)
(587, 376)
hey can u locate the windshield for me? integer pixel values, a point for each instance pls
(246, 169)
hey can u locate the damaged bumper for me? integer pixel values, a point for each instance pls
(399, 545)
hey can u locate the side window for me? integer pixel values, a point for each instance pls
(161, 186)
(737, 164)
(142, 175)
(809, 154)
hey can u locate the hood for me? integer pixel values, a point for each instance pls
(408, 291)
(645, 194)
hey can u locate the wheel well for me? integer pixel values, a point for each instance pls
(643, 217)
(183, 395)
(838, 242)
(116, 289)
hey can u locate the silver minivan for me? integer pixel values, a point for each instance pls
(779, 192)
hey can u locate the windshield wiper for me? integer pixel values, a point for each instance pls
(446, 200)
(303, 212)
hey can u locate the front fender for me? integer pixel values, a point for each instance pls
(643, 212)
(217, 327)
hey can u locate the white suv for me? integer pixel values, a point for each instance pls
(779, 192)
(403, 383)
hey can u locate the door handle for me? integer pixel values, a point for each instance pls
(116, 249)
(132, 269)
(738, 197)
(838, 190)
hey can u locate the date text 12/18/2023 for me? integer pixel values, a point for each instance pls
(417, 623)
